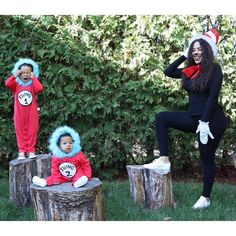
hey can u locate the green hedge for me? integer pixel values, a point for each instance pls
(103, 75)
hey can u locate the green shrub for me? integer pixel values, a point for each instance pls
(103, 75)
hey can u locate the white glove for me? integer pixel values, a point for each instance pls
(81, 181)
(204, 130)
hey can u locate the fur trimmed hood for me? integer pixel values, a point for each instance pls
(53, 140)
(22, 61)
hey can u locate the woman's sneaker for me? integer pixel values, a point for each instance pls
(21, 156)
(201, 203)
(159, 166)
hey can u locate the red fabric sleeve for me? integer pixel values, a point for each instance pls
(84, 167)
(38, 87)
(10, 83)
(55, 177)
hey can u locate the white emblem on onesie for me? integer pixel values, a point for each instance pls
(67, 169)
(25, 98)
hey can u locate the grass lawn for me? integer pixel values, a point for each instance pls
(8, 210)
(119, 206)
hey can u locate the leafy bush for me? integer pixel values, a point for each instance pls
(103, 75)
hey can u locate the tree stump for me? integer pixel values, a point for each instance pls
(20, 177)
(234, 159)
(149, 187)
(64, 202)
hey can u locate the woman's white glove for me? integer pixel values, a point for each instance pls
(204, 130)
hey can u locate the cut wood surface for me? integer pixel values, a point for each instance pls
(149, 187)
(21, 173)
(67, 203)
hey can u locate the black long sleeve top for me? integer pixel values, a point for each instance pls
(202, 104)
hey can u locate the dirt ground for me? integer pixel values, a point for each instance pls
(225, 174)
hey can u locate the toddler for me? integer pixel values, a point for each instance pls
(25, 86)
(69, 164)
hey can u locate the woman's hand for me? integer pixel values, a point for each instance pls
(186, 52)
(204, 130)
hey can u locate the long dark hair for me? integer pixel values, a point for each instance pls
(201, 82)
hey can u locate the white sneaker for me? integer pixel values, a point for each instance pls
(21, 156)
(32, 155)
(201, 203)
(39, 181)
(159, 166)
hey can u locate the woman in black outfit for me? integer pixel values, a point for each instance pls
(202, 79)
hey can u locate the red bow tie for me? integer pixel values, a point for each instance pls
(192, 71)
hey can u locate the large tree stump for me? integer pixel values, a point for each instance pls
(149, 187)
(64, 202)
(20, 177)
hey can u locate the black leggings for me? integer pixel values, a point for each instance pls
(184, 122)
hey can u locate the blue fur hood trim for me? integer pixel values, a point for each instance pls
(53, 147)
(23, 84)
(22, 61)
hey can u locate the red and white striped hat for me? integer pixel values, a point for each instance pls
(211, 36)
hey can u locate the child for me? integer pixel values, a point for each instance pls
(25, 86)
(69, 164)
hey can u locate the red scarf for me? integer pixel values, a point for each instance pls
(192, 71)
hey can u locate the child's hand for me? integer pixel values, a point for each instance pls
(32, 75)
(18, 73)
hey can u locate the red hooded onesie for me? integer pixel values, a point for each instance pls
(25, 112)
(67, 167)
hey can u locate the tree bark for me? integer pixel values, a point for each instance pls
(64, 202)
(20, 177)
(149, 187)
(234, 159)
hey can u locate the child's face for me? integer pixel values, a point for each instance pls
(25, 73)
(66, 144)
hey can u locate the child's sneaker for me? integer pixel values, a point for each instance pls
(201, 203)
(39, 181)
(32, 155)
(159, 166)
(81, 181)
(21, 156)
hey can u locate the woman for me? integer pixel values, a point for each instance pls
(202, 79)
